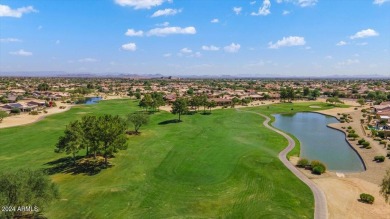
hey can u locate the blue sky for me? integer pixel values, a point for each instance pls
(197, 37)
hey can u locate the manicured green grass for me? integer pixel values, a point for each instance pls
(220, 165)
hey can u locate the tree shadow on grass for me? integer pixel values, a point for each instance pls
(166, 122)
(87, 167)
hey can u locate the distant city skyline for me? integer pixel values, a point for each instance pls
(191, 37)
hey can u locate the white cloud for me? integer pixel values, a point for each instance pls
(58, 41)
(215, 20)
(349, 62)
(10, 40)
(288, 41)
(6, 11)
(301, 3)
(252, 3)
(167, 55)
(237, 10)
(171, 30)
(140, 4)
(362, 44)
(232, 48)
(285, 12)
(380, 2)
(85, 60)
(40, 27)
(264, 9)
(364, 34)
(306, 3)
(210, 48)
(166, 12)
(341, 43)
(21, 52)
(328, 57)
(186, 50)
(129, 47)
(165, 24)
(132, 32)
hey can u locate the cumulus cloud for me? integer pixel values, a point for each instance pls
(232, 48)
(165, 24)
(140, 4)
(21, 52)
(364, 34)
(186, 50)
(210, 48)
(237, 10)
(288, 41)
(85, 60)
(215, 20)
(285, 12)
(301, 3)
(6, 11)
(10, 40)
(264, 9)
(341, 43)
(380, 2)
(132, 32)
(166, 12)
(252, 2)
(171, 30)
(167, 55)
(129, 47)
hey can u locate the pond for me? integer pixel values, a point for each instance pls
(90, 100)
(319, 142)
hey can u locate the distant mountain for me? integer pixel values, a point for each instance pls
(148, 76)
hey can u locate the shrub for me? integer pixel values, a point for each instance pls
(302, 162)
(382, 142)
(318, 167)
(388, 154)
(34, 113)
(379, 158)
(363, 110)
(361, 141)
(44, 111)
(349, 127)
(356, 108)
(319, 170)
(377, 139)
(367, 198)
(364, 115)
(366, 144)
(15, 110)
(353, 135)
(368, 147)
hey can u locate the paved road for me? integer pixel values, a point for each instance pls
(320, 208)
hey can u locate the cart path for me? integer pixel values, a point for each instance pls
(320, 205)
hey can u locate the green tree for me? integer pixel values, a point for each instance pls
(306, 91)
(283, 94)
(360, 101)
(43, 87)
(72, 141)
(26, 187)
(111, 130)
(211, 105)
(179, 107)
(385, 186)
(3, 114)
(315, 93)
(90, 135)
(138, 119)
(235, 101)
